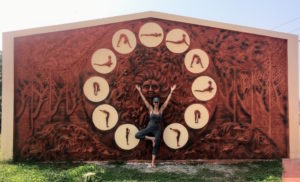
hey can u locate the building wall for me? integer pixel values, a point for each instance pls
(247, 116)
(246, 113)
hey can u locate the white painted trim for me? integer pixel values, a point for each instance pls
(8, 69)
(152, 14)
(7, 133)
(293, 99)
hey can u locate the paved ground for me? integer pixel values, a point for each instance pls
(291, 170)
(183, 168)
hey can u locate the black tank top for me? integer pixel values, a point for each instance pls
(157, 118)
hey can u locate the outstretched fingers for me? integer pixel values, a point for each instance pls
(173, 87)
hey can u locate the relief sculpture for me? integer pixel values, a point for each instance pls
(240, 94)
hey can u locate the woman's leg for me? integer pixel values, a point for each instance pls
(152, 139)
(142, 134)
(157, 135)
(153, 160)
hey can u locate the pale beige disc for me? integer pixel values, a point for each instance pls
(129, 142)
(96, 89)
(177, 41)
(196, 116)
(170, 136)
(204, 88)
(196, 61)
(104, 60)
(151, 34)
(124, 41)
(105, 117)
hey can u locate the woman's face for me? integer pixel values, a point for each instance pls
(156, 103)
(150, 88)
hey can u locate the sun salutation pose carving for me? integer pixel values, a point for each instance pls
(183, 40)
(107, 63)
(126, 40)
(197, 115)
(153, 126)
(178, 135)
(127, 135)
(106, 116)
(96, 88)
(208, 89)
(197, 59)
(151, 34)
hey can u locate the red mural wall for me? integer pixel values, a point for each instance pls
(248, 115)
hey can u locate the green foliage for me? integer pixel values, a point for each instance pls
(37, 172)
(259, 171)
(117, 171)
(264, 171)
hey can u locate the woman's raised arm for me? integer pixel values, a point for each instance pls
(143, 98)
(163, 107)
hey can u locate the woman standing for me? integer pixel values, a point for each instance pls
(154, 125)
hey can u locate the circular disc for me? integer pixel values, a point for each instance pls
(124, 41)
(105, 117)
(196, 116)
(104, 61)
(175, 135)
(204, 88)
(196, 61)
(125, 136)
(151, 34)
(96, 89)
(177, 41)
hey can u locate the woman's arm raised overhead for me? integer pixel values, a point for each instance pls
(149, 107)
(163, 107)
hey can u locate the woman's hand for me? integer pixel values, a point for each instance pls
(173, 88)
(163, 107)
(138, 87)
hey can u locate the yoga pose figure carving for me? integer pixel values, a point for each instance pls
(197, 59)
(96, 88)
(107, 63)
(126, 40)
(127, 135)
(178, 135)
(153, 126)
(197, 115)
(106, 116)
(183, 40)
(208, 89)
(151, 34)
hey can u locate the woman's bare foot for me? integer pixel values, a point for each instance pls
(153, 165)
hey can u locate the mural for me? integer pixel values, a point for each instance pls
(75, 96)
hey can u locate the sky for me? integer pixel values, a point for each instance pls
(276, 15)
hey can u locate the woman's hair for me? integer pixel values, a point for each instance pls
(156, 99)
